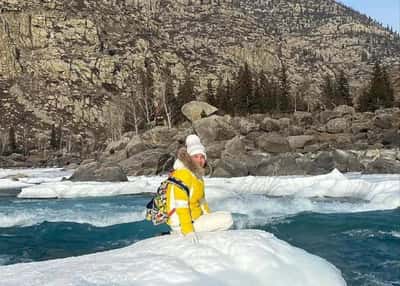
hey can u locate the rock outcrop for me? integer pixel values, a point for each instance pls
(361, 147)
(87, 65)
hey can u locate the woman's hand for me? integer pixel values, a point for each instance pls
(192, 236)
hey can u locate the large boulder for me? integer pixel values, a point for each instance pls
(214, 128)
(279, 165)
(303, 118)
(361, 126)
(344, 110)
(270, 125)
(135, 146)
(343, 141)
(337, 125)
(272, 143)
(244, 125)
(214, 150)
(326, 115)
(284, 122)
(384, 121)
(149, 162)
(322, 162)
(233, 162)
(300, 141)
(114, 157)
(346, 161)
(294, 130)
(236, 161)
(117, 145)
(159, 137)
(196, 110)
(383, 166)
(98, 172)
(231, 166)
(391, 138)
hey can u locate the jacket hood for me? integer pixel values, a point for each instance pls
(185, 161)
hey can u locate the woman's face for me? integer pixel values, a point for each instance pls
(199, 159)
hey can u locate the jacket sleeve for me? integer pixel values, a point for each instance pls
(182, 201)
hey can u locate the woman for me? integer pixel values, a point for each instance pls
(189, 211)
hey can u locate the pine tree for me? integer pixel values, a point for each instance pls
(243, 91)
(342, 93)
(53, 138)
(59, 136)
(12, 142)
(329, 92)
(266, 94)
(388, 94)
(379, 93)
(220, 95)
(225, 100)
(211, 95)
(282, 98)
(228, 100)
(257, 101)
(272, 96)
(186, 91)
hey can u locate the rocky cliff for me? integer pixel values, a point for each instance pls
(77, 63)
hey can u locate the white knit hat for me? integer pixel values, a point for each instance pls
(194, 146)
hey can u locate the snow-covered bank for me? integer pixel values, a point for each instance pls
(245, 257)
(29, 177)
(36, 175)
(7, 184)
(384, 194)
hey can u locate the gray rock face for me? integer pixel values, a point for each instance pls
(98, 172)
(326, 115)
(232, 162)
(383, 166)
(118, 145)
(279, 165)
(303, 118)
(347, 161)
(295, 130)
(79, 62)
(384, 121)
(134, 146)
(391, 138)
(160, 136)
(298, 142)
(148, 162)
(244, 125)
(343, 110)
(361, 126)
(270, 125)
(196, 110)
(214, 128)
(337, 125)
(273, 143)
(214, 150)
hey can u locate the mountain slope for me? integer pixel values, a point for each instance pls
(77, 63)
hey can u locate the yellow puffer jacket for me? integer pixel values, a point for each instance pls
(187, 209)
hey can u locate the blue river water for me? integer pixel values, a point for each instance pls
(365, 246)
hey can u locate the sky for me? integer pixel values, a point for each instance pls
(385, 11)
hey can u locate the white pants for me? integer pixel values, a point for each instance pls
(215, 221)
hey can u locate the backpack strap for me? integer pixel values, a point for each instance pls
(179, 184)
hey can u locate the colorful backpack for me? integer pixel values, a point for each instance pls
(157, 207)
